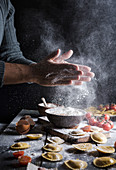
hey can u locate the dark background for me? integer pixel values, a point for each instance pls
(85, 26)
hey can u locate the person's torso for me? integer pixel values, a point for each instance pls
(6, 10)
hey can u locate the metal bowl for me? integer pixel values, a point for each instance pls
(59, 118)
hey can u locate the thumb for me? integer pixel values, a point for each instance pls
(64, 56)
(54, 55)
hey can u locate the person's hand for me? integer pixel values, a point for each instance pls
(54, 71)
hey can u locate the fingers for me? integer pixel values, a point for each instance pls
(70, 72)
(54, 55)
(61, 58)
(74, 82)
(86, 71)
(63, 76)
(81, 79)
(71, 68)
(84, 68)
(67, 55)
(67, 78)
(87, 79)
(89, 74)
(67, 72)
(65, 67)
(63, 83)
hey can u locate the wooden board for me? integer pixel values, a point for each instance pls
(64, 132)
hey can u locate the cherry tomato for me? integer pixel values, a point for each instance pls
(100, 118)
(106, 116)
(111, 124)
(24, 160)
(88, 115)
(17, 154)
(93, 121)
(100, 123)
(106, 126)
(107, 107)
(113, 106)
(86, 128)
(115, 144)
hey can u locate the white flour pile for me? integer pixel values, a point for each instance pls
(66, 111)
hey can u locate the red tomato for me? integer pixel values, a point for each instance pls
(88, 115)
(86, 128)
(100, 123)
(106, 116)
(107, 107)
(100, 118)
(24, 160)
(17, 154)
(111, 124)
(106, 126)
(93, 121)
(113, 106)
(115, 144)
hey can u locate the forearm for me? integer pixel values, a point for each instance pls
(17, 73)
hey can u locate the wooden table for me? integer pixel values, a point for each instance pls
(10, 136)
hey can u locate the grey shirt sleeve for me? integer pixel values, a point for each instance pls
(9, 46)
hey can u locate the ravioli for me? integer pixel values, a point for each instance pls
(83, 146)
(98, 137)
(105, 149)
(20, 145)
(55, 139)
(52, 148)
(95, 128)
(34, 136)
(76, 164)
(52, 156)
(77, 133)
(104, 162)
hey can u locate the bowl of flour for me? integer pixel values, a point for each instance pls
(65, 117)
